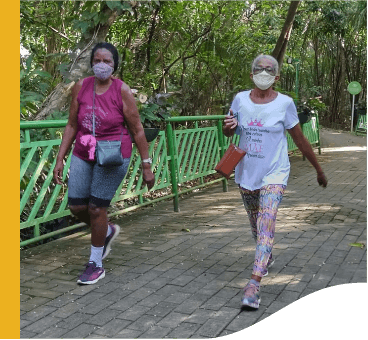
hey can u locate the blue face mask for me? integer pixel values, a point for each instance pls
(102, 71)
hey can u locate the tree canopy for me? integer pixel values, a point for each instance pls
(198, 51)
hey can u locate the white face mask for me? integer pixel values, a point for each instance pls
(263, 80)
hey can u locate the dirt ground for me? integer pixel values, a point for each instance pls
(335, 138)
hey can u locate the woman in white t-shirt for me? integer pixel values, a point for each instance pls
(262, 117)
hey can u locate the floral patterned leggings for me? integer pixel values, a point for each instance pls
(261, 206)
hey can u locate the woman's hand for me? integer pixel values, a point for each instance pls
(69, 134)
(58, 172)
(321, 179)
(148, 176)
(303, 144)
(230, 122)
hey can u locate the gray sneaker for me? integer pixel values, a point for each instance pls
(251, 296)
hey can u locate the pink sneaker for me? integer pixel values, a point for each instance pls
(107, 247)
(91, 274)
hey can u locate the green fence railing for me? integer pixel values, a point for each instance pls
(180, 155)
(361, 127)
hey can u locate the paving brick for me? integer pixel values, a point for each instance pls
(117, 295)
(134, 312)
(155, 332)
(38, 313)
(112, 327)
(200, 316)
(214, 303)
(63, 300)
(124, 303)
(74, 320)
(288, 296)
(183, 331)
(242, 321)
(296, 286)
(360, 276)
(195, 279)
(144, 322)
(32, 303)
(178, 298)
(276, 306)
(96, 306)
(212, 328)
(103, 317)
(152, 300)
(127, 334)
(83, 289)
(42, 324)
(43, 293)
(80, 332)
(162, 309)
(188, 306)
(109, 287)
(67, 310)
(90, 297)
(27, 335)
(52, 333)
(141, 293)
(182, 280)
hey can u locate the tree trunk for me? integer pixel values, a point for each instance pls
(316, 54)
(59, 98)
(342, 86)
(48, 65)
(284, 37)
(150, 37)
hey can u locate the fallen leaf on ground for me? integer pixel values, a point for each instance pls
(359, 245)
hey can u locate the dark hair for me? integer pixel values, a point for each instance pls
(110, 48)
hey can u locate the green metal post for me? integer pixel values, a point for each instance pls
(36, 230)
(318, 136)
(173, 170)
(303, 128)
(222, 151)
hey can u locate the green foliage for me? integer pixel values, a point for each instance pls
(151, 113)
(317, 105)
(34, 84)
(203, 49)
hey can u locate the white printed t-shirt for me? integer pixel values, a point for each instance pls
(262, 130)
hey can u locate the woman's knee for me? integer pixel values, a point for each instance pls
(95, 211)
(78, 209)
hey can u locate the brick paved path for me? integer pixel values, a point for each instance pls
(165, 281)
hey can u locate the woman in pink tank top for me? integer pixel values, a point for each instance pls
(91, 187)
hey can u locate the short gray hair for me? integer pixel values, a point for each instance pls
(275, 63)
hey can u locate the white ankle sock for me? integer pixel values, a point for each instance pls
(96, 255)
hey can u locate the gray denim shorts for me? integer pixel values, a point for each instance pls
(91, 183)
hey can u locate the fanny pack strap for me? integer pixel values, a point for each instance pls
(93, 108)
(93, 112)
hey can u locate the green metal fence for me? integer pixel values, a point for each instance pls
(361, 127)
(180, 155)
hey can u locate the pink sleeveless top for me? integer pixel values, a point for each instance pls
(109, 118)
